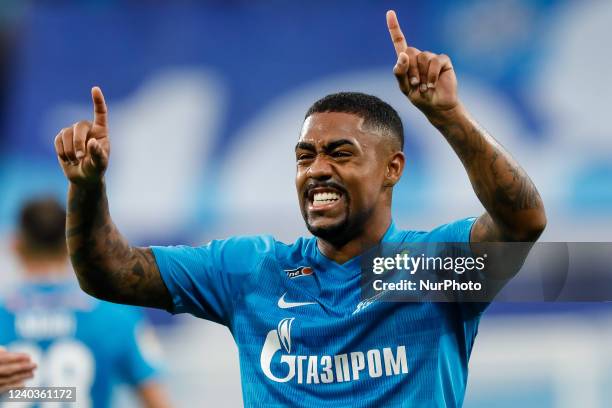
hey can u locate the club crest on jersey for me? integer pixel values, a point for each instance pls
(299, 271)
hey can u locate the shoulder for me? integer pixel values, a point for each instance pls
(120, 313)
(455, 231)
(261, 244)
(239, 251)
(299, 247)
(237, 254)
(246, 243)
(253, 251)
(243, 244)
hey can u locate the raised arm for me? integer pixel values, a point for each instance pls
(514, 209)
(106, 266)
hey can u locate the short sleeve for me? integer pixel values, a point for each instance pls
(141, 353)
(457, 231)
(204, 281)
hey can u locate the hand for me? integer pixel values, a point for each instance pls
(83, 149)
(15, 369)
(427, 79)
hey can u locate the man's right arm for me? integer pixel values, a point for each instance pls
(106, 266)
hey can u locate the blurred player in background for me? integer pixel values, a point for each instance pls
(75, 340)
(304, 336)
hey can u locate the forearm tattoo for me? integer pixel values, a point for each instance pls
(106, 265)
(514, 207)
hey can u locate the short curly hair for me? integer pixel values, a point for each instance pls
(375, 112)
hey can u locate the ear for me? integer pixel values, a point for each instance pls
(395, 168)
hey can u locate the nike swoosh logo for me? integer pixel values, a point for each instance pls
(286, 305)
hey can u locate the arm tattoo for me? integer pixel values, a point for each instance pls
(105, 264)
(515, 211)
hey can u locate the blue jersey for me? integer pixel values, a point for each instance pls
(304, 336)
(76, 340)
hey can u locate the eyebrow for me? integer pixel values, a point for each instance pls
(337, 143)
(305, 146)
(328, 147)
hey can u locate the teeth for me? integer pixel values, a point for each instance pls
(323, 198)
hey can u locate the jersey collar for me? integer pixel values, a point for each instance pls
(353, 263)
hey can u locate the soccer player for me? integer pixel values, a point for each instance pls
(75, 340)
(294, 310)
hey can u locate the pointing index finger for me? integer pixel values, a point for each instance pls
(399, 41)
(100, 111)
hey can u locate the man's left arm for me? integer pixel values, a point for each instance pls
(514, 208)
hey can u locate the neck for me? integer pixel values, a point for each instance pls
(368, 238)
(45, 269)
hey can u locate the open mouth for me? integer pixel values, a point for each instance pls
(323, 198)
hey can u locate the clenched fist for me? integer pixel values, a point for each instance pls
(427, 79)
(83, 148)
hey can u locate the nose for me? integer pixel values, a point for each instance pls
(320, 169)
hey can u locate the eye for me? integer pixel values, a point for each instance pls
(303, 156)
(341, 154)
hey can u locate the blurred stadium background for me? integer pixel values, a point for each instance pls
(206, 100)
